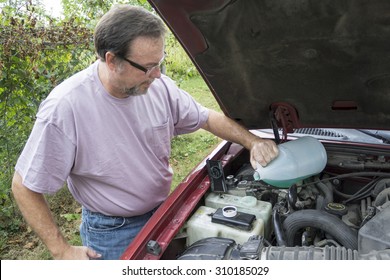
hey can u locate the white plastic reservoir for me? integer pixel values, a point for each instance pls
(199, 226)
(247, 204)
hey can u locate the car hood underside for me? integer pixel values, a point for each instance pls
(310, 63)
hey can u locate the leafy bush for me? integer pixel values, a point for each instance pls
(178, 65)
(36, 53)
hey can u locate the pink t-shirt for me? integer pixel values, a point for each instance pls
(114, 153)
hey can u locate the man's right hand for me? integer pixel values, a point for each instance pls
(78, 253)
(36, 211)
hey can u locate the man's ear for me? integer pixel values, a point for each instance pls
(111, 60)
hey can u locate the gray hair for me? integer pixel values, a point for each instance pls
(118, 28)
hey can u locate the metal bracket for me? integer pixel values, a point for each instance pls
(153, 247)
(285, 116)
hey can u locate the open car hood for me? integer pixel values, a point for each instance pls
(302, 63)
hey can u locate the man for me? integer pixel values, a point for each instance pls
(107, 131)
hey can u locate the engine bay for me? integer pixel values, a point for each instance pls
(342, 213)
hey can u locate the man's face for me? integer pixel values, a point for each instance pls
(137, 71)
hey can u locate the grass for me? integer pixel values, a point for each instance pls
(201, 93)
(187, 151)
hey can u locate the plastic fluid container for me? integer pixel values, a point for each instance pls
(375, 234)
(200, 226)
(247, 204)
(297, 160)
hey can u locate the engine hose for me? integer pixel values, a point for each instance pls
(278, 228)
(327, 193)
(292, 197)
(320, 220)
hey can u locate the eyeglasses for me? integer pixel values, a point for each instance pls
(146, 70)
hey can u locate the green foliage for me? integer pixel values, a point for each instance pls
(71, 216)
(36, 53)
(178, 64)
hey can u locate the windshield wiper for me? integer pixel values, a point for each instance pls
(381, 135)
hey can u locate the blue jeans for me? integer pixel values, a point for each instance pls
(110, 235)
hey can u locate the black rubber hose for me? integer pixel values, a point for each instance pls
(292, 197)
(328, 194)
(320, 220)
(278, 228)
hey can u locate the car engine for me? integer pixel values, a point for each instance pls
(341, 214)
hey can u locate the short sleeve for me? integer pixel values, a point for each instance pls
(46, 159)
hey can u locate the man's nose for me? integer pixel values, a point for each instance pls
(155, 73)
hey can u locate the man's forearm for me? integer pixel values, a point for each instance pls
(227, 129)
(261, 151)
(38, 215)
